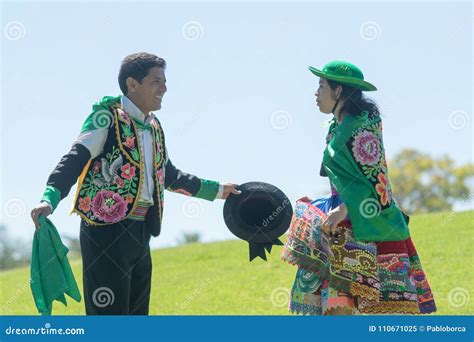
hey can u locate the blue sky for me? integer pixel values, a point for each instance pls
(240, 103)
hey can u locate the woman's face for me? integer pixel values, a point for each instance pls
(325, 97)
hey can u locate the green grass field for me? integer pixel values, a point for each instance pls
(217, 279)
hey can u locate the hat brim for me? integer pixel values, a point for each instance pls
(362, 85)
(259, 214)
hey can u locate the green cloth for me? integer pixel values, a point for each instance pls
(101, 117)
(141, 125)
(372, 220)
(50, 273)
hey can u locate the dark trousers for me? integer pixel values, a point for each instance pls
(116, 268)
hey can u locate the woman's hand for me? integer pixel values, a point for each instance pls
(334, 217)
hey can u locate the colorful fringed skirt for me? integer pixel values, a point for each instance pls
(335, 271)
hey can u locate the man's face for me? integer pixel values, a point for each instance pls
(325, 97)
(148, 94)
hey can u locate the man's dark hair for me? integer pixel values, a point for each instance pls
(137, 66)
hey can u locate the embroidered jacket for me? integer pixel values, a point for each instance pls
(109, 185)
(354, 161)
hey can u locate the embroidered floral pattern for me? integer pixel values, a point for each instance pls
(159, 142)
(160, 176)
(366, 146)
(120, 183)
(123, 116)
(323, 260)
(130, 142)
(109, 206)
(159, 157)
(128, 134)
(383, 190)
(128, 172)
(110, 186)
(85, 204)
(96, 167)
(101, 182)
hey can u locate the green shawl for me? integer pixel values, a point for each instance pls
(354, 160)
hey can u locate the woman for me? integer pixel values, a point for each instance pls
(353, 249)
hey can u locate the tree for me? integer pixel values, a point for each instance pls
(186, 238)
(423, 184)
(13, 252)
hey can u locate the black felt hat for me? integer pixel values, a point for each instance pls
(260, 215)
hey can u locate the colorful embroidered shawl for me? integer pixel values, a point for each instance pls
(354, 160)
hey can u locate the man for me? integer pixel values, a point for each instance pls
(122, 167)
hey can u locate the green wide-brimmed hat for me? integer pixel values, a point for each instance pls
(344, 73)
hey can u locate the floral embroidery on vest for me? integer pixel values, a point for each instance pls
(108, 188)
(127, 135)
(366, 146)
(159, 164)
